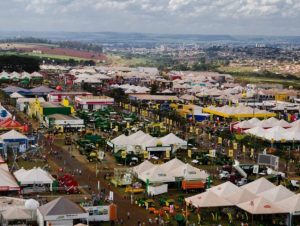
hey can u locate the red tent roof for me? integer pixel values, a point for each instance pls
(11, 124)
(4, 121)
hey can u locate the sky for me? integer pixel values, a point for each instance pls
(233, 17)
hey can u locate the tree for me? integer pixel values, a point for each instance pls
(153, 89)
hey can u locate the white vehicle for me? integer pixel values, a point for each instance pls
(224, 175)
(242, 182)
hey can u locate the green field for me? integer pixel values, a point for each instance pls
(41, 55)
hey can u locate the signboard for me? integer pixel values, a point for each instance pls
(111, 195)
(162, 148)
(123, 154)
(101, 155)
(219, 140)
(230, 153)
(98, 213)
(255, 169)
(235, 146)
(212, 153)
(146, 155)
(269, 160)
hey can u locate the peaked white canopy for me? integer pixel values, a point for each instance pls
(225, 189)
(172, 139)
(258, 186)
(156, 175)
(144, 166)
(291, 204)
(13, 134)
(189, 172)
(15, 95)
(172, 164)
(240, 196)
(277, 194)
(261, 206)
(208, 199)
(34, 176)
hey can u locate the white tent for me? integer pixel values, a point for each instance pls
(256, 131)
(269, 123)
(156, 175)
(277, 194)
(276, 133)
(13, 134)
(296, 123)
(15, 95)
(240, 196)
(136, 135)
(172, 139)
(20, 171)
(293, 133)
(261, 206)
(254, 121)
(291, 204)
(282, 123)
(208, 199)
(225, 189)
(172, 164)
(189, 172)
(144, 166)
(244, 125)
(7, 181)
(34, 176)
(258, 186)
(13, 214)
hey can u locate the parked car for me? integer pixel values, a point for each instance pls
(224, 175)
(242, 182)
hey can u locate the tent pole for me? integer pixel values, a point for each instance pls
(290, 219)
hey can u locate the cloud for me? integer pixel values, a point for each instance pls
(162, 15)
(228, 8)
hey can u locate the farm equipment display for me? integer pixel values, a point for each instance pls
(68, 184)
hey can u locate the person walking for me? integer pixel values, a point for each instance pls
(128, 215)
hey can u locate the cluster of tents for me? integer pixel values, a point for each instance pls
(132, 88)
(271, 129)
(168, 172)
(238, 112)
(141, 141)
(34, 176)
(258, 198)
(19, 76)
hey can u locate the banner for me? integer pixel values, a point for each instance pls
(190, 153)
(167, 154)
(244, 149)
(209, 136)
(230, 153)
